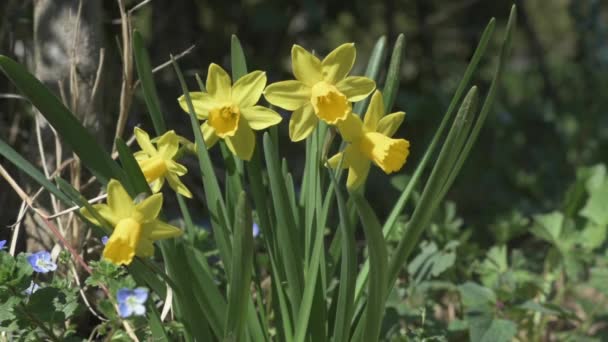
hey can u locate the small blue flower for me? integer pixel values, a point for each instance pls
(131, 302)
(41, 262)
(31, 289)
(104, 239)
(256, 230)
(2, 244)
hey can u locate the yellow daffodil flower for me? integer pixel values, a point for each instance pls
(371, 140)
(321, 90)
(135, 226)
(157, 164)
(230, 110)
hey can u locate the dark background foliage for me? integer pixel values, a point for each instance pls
(548, 120)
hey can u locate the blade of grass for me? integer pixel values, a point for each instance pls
(136, 178)
(144, 70)
(90, 152)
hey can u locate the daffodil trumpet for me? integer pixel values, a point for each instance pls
(135, 226)
(370, 141)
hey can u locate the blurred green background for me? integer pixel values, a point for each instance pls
(549, 117)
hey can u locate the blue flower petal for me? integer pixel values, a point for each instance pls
(123, 294)
(139, 310)
(141, 294)
(125, 310)
(256, 230)
(2, 244)
(104, 240)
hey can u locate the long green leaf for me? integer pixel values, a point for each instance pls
(238, 296)
(146, 77)
(215, 202)
(346, 293)
(391, 86)
(11, 155)
(389, 224)
(378, 271)
(237, 58)
(290, 252)
(489, 101)
(430, 195)
(90, 152)
(374, 64)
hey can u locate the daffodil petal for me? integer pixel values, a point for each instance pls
(145, 248)
(356, 88)
(168, 144)
(260, 117)
(202, 103)
(119, 200)
(218, 83)
(302, 123)
(389, 124)
(248, 89)
(177, 185)
(350, 128)
(243, 142)
(143, 140)
(209, 135)
(289, 95)
(150, 207)
(140, 156)
(104, 211)
(338, 63)
(375, 111)
(157, 230)
(176, 168)
(358, 171)
(306, 67)
(157, 184)
(334, 161)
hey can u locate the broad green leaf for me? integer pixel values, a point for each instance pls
(498, 330)
(596, 208)
(146, 77)
(71, 131)
(549, 227)
(476, 297)
(431, 261)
